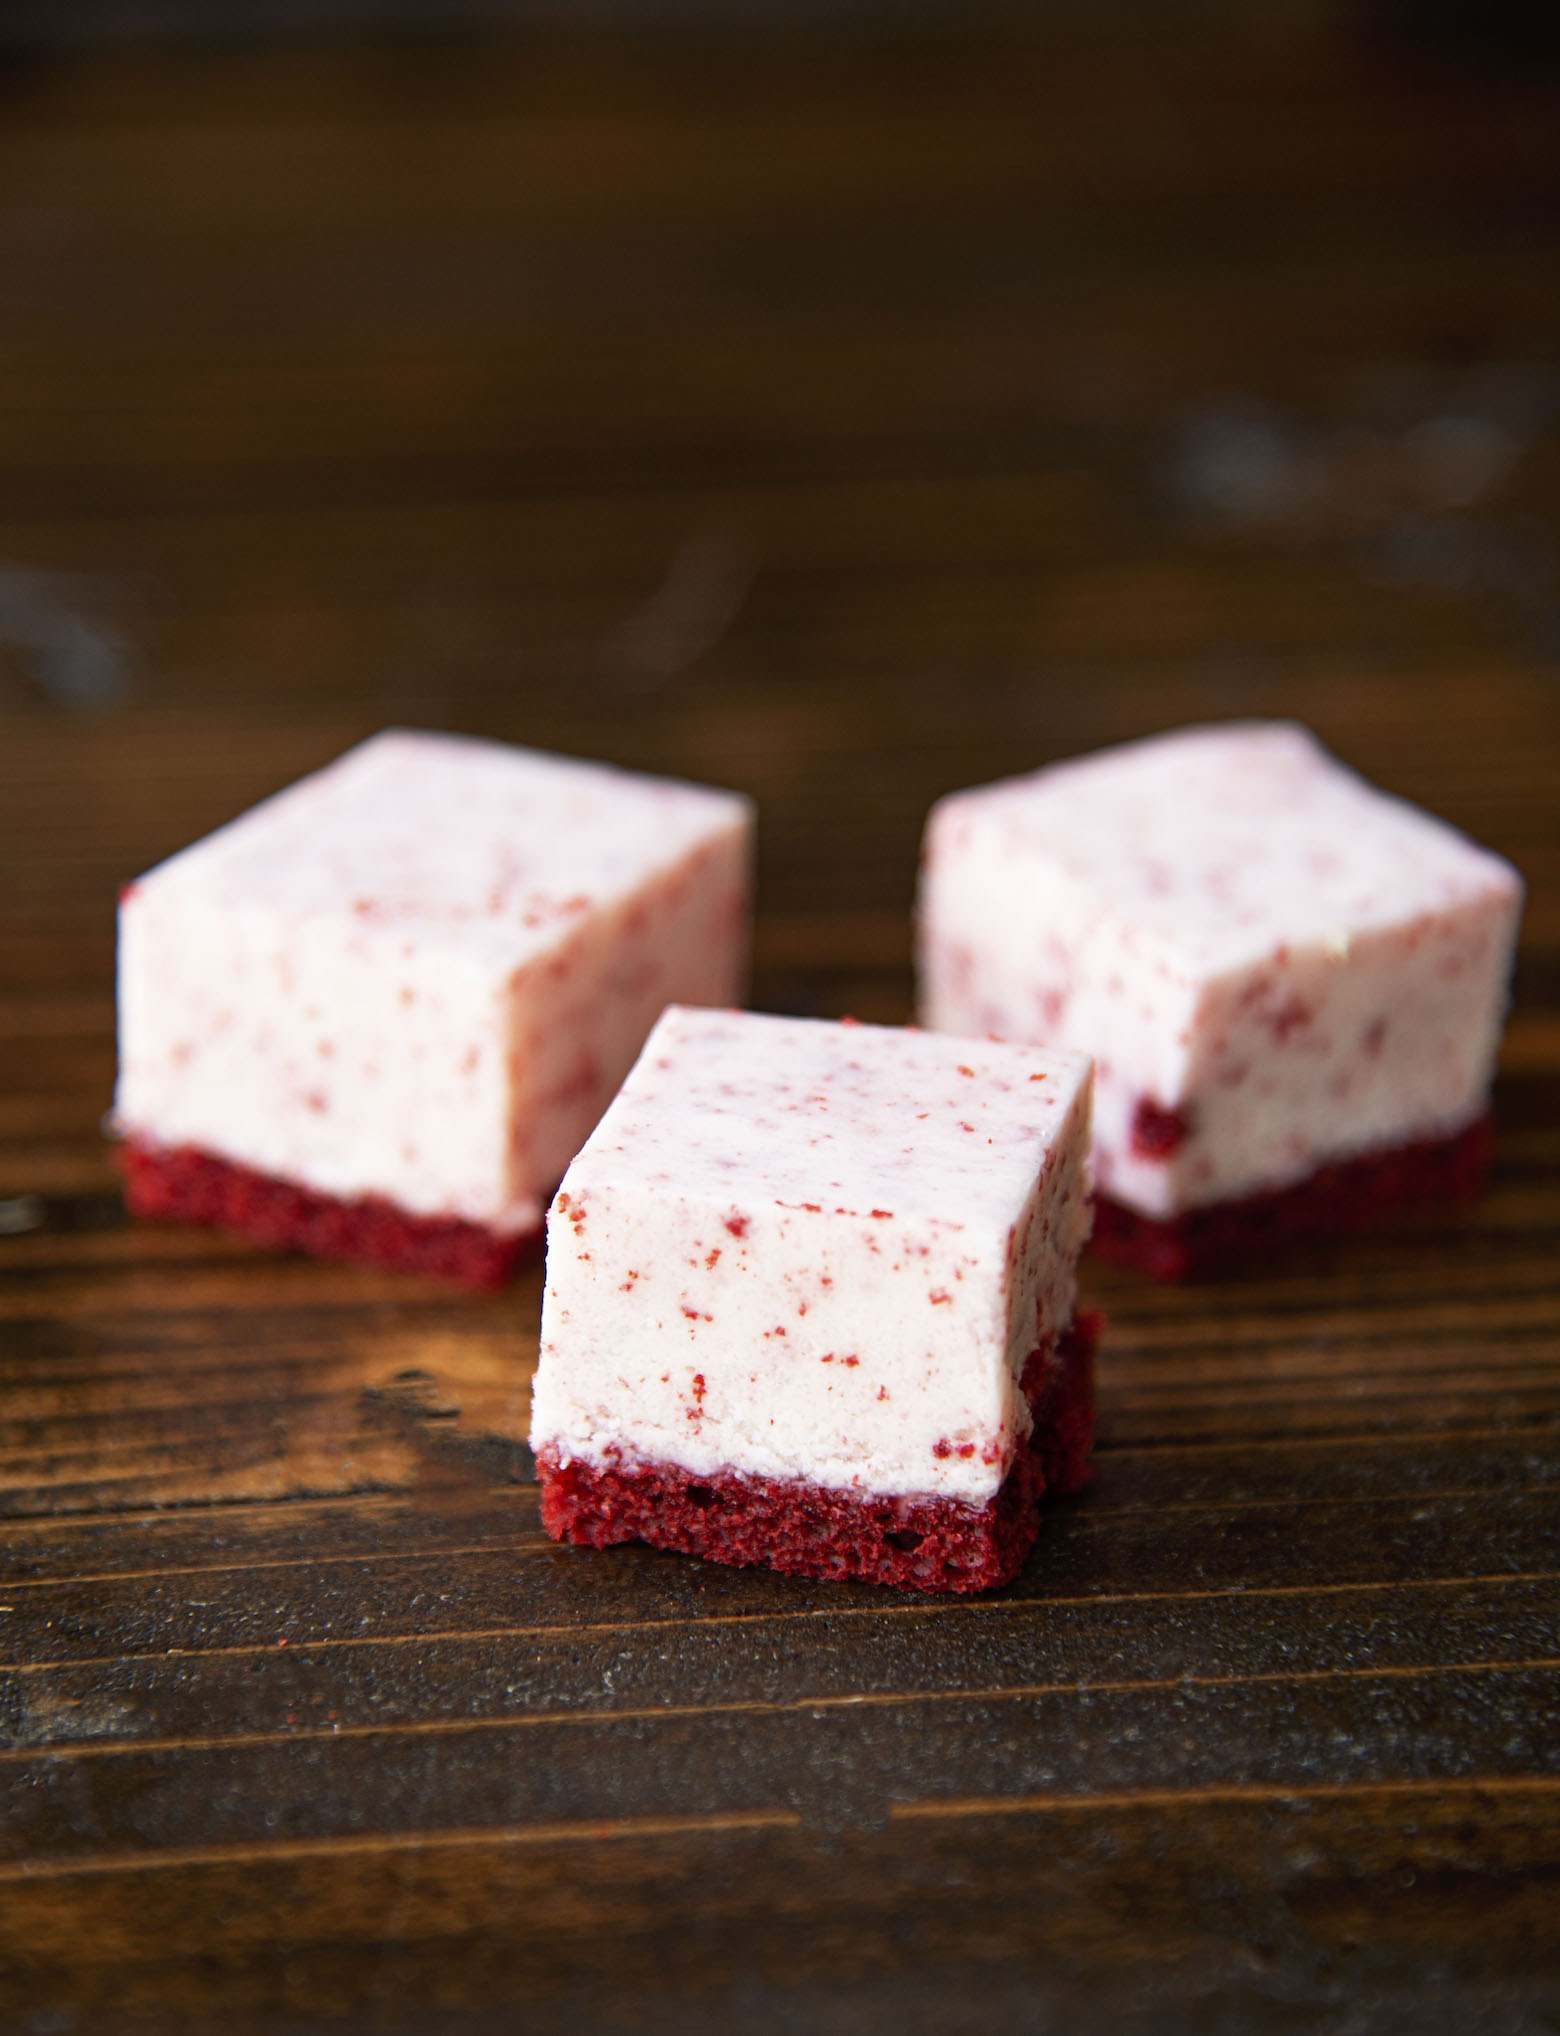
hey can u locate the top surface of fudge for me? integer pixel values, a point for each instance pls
(1218, 844)
(781, 1112)
(451, 842)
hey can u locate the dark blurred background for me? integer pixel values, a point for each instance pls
(843, 404)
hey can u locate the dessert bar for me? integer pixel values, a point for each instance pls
(376, 1016)
(810, 1302)
(1293, 985)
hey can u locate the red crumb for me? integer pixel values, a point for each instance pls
(737, 1225)
(712, 1258)
(185, 1185)
(1157, 1132)
(881, 1213)
(1292, 1016)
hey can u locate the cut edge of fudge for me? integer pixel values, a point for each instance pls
(908, 1541)
(186, 1185)
(769, 1195)
(329, 1046)
(1346, 1198)
(1339, 1069)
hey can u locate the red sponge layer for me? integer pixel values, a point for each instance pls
(185, 1185)
(1336, 1201)
(921, 1544)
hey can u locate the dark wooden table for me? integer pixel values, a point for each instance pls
(844, 421)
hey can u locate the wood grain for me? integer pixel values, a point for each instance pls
(820, 417)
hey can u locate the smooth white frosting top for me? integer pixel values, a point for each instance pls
(731, 1103)
(480, 846)
(1220, 843)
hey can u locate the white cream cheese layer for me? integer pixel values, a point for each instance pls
(813, 1251)
(1243, 933)
(422, 972)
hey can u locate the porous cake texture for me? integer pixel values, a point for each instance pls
(377, 1015)
(1284, 976)
(810, 1300)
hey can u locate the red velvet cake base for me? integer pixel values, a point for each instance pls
(922, 1544)
(1336, 1201)
(185, 1185)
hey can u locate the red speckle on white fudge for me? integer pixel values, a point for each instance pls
(869, 1325)
(1275, 965)
(421, 973)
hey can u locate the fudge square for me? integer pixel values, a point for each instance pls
(810, 1302)
(1293, 986)
(376, 1016)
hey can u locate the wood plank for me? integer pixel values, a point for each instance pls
(1366, 1892)
(376, 1681)
(811, 1755)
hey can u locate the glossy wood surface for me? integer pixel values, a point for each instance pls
(843, 421)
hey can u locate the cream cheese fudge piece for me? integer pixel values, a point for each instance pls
(377, 1015)
(810, 1301)
(1292, 984)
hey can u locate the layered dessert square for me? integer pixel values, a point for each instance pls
(811, 1301)
(1293, 986)
(376, 1016)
